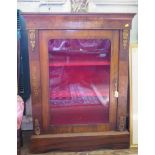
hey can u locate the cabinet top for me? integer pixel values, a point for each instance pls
(78, 20)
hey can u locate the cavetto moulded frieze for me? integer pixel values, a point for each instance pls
(115, 2)
(45, 1)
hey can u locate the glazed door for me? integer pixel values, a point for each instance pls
(79, 74)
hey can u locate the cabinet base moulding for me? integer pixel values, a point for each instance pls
(79, 141)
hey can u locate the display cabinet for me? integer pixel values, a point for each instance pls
(79, 80)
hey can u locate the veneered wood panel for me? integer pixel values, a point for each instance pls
(75, 34)
(43, 49)
(123, 79)
(78, 21)
(79, 141)
(34, 60)
(79, 128)
(114, 77)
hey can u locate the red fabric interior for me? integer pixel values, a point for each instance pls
(79, 114)
(79, 76)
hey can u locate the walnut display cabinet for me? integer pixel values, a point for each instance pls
(79, 80)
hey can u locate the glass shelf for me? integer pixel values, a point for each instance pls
(79, 63)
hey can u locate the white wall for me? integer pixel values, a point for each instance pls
(134, 94)
(44, 5)
(133, 62)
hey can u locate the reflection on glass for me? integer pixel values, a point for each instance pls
(79, 76)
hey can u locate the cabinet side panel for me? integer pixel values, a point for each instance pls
(35, 78)
(123, 79)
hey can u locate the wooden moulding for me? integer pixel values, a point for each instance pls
(46, 35)
(79, 141)
(78, 21)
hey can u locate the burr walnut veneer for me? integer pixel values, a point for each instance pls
(79, 80)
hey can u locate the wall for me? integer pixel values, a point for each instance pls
(115, 6)
(94, 6)
(134, 93)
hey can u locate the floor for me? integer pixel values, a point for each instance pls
(25, 151)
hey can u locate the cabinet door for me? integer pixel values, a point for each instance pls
(79, 73)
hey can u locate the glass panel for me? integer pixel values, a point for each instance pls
(79, 77)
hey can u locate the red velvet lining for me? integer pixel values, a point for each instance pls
(80, 114)
(79, 76)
